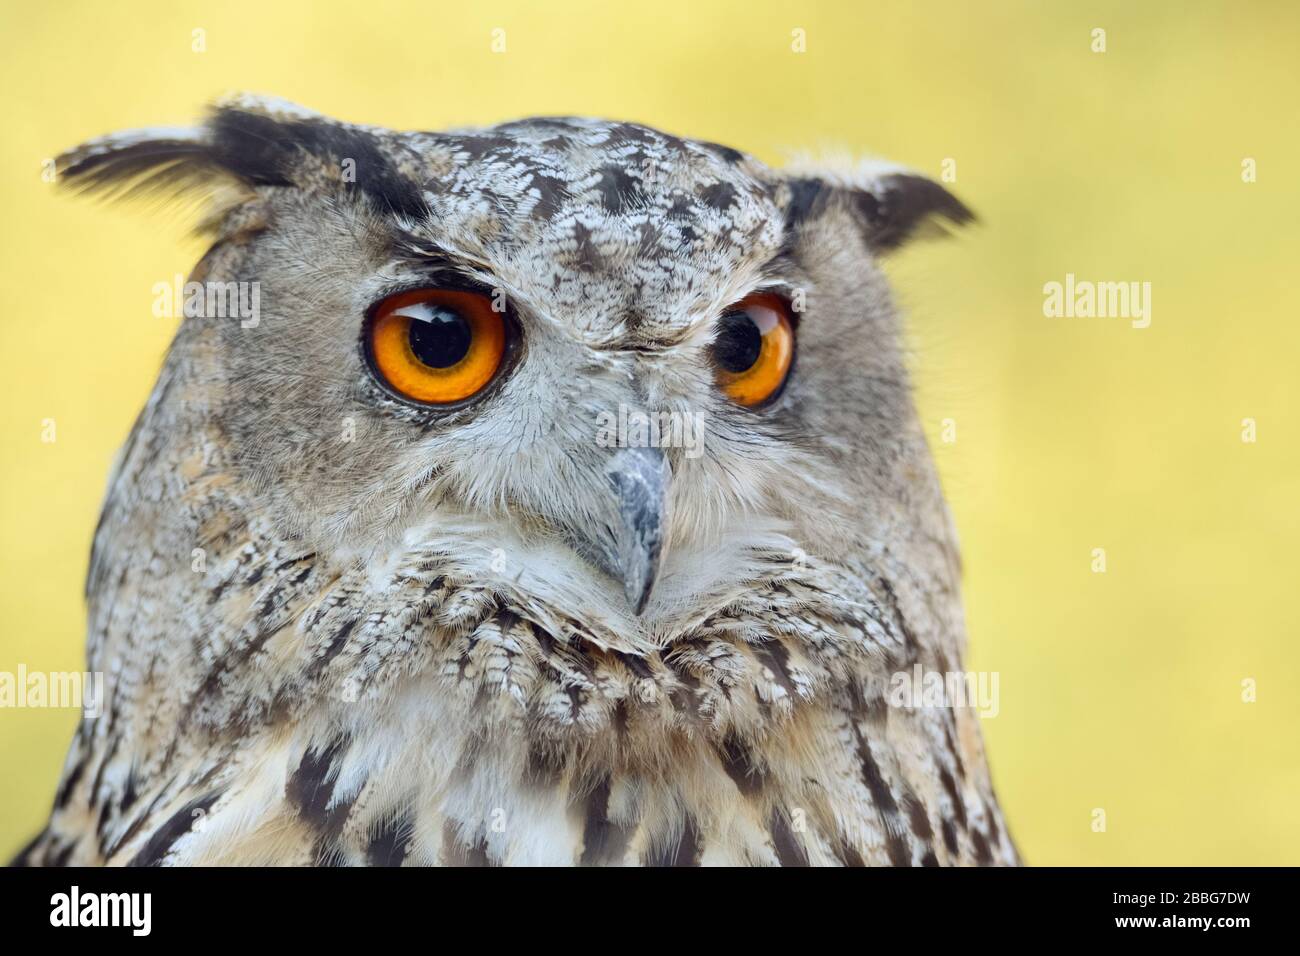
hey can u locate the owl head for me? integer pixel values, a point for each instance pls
(591, 365)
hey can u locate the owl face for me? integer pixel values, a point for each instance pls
(592, 364)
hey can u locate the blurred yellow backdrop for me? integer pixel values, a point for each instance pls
(1121, 690)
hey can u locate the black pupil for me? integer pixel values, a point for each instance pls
(442, 340)
(739, 342)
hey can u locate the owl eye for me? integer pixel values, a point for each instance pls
(436, 346)
(753, 348)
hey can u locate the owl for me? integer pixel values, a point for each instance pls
(543, 494)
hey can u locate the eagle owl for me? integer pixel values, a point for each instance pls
(562, 501)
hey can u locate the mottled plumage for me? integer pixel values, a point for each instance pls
(401, 639)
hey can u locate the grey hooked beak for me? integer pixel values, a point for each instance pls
(639, 478)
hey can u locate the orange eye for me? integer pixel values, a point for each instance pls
(436, 346)
(753, 348)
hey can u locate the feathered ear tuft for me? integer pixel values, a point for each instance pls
(247, 142)
(891, 204)
(173, 159)
(901, 206)
(139, 162)
(164, 165)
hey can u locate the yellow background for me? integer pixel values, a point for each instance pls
(1119, 691)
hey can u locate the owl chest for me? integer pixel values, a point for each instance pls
(454, 789)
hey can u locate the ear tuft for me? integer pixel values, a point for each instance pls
(903, 206)
(891, 204)
(139, 162)
(280, 147)
(248, 142)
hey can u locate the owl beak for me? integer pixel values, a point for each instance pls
(639, 478)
